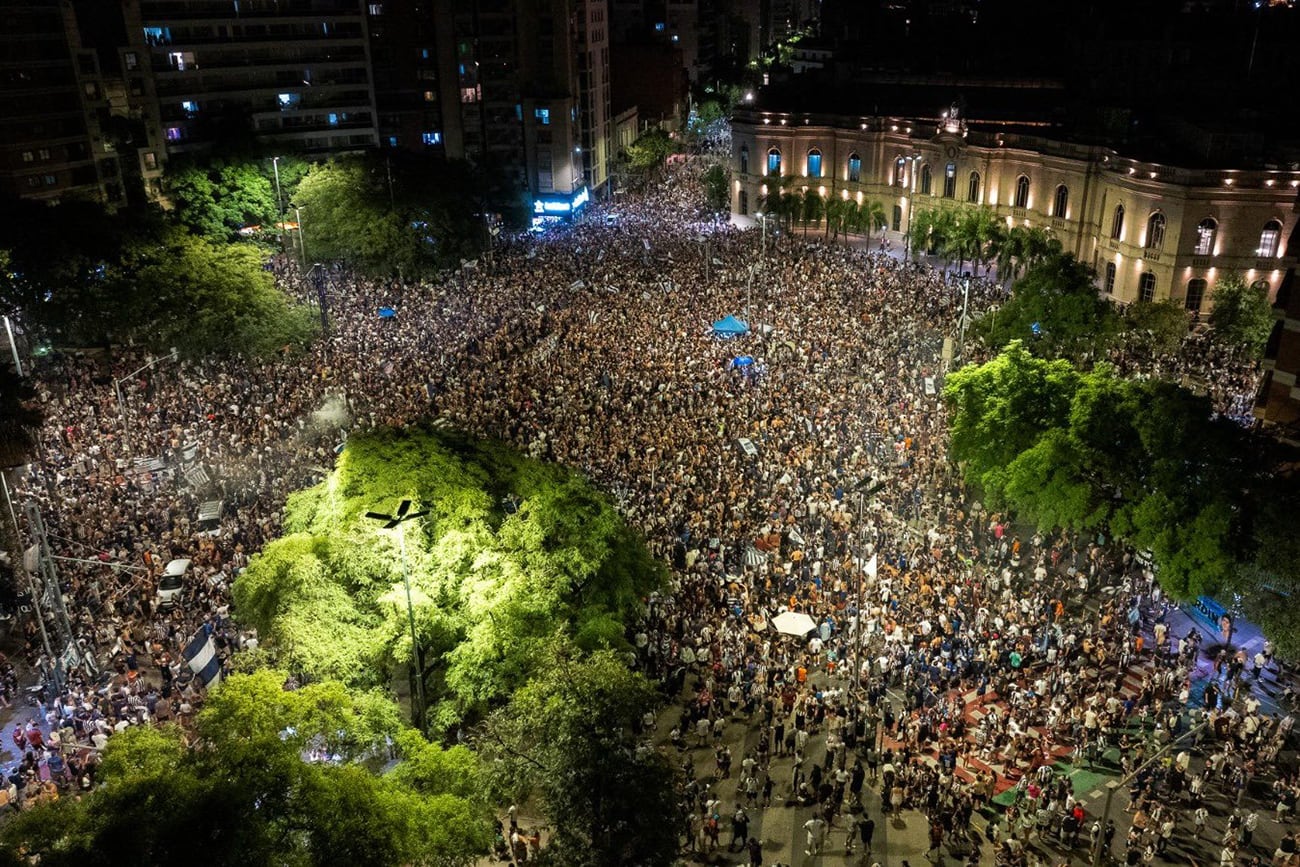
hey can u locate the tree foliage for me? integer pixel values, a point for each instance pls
(650, 150)
(1242, 316)
(398, 215)
(512, 554)
(1144, 461)
(245, 793)
(717, 187)
(84, 277)
(1160, 325)
(1055, 309)
(567, 737)
(215, 198)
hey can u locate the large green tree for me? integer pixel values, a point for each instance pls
(512, 554)
(217, 197)
(1242, 317)
(396, 214)
(247, 793)
(1055, 309)
(1144, 461)
(1161, 326)
(567, 738)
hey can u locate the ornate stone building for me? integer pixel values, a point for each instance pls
(1151, 231)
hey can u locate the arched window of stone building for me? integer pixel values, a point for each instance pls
(1270, 239)
(1117, 223)
(1206, 230)
(1155, 231)
(1022, 192)
(1062, 201)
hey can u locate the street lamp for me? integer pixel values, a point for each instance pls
(911, 200)
(396, 522)
(279, 200)
(302, 241)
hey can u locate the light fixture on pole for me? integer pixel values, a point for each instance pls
(302, 241)
(279, 201)
(911, 202)
(396, 522)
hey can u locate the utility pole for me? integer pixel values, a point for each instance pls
(279, 201)
(49, 591)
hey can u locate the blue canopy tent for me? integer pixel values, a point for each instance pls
(742, 361)
(729, 327)
(387, 313)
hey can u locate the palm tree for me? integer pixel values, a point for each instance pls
(981, 229)
(943, 234)
(836, 216)
(811, 208)
(871, 216)
(921, 231)
(1010, 252)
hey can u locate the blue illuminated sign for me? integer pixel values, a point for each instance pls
(562, 206)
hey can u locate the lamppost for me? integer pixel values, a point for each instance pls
(911, 200)
(864, 489)
(396, 522)
(961, 325)
(302, 241)
(279, 201)
(1114, 785)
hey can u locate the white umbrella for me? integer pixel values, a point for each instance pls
(794, 623)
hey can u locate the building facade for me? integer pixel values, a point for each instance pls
(1151, 231)
(282, 72)
(55, 107)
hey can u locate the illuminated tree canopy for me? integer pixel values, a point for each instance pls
(512, 554)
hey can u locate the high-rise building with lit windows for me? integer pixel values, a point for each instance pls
(293, 73)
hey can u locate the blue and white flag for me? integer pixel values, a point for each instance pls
(201, 655)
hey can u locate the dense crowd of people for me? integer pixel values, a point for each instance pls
(955, 658)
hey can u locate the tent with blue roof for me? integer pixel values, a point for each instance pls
(729, 326)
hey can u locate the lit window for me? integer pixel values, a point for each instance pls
(1156, 231)
(774, 162)
(1061, 203)
(190, 107)
(1110, 278)
(1022, 192)
(425, 53)
(659, 27)
(376, 8)
(150, 161)
(950, 181)
(1117, 223)
(900, 172)
(814, 163)
(43, 153)
(333, 118)
(182, 60)
(855, 168)
(392, 141)
(926, 184)
(289, 100)
(431, 138)
(973, 189)
(1195, 294)
(51, 180)
(1205, 232)
(469, 95)
(543, 116)
(131, 60)
(1270, 239)
(156, 36)
(175, 133)
(1147, 288)
(744, 159)
(430, 96)
(28, 156)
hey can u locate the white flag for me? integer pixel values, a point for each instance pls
(871, 566)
